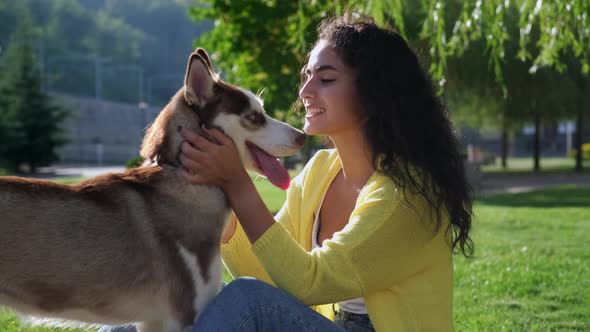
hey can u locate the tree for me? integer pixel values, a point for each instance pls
(551, 34)
(519, 99)
(29, 122)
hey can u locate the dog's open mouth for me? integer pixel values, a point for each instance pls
(270, 166)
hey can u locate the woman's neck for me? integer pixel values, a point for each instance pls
(356, 157)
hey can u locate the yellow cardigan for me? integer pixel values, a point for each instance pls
(389, 253)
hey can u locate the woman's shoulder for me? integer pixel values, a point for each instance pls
(381, 184)
(324, 157)
(319, 164)
(383, 192)
(379, 187)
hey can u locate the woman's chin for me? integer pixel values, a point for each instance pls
(314, 131)
(311, 129)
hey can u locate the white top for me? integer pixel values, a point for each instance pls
(356, 306)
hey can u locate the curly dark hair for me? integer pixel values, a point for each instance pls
(407, 125)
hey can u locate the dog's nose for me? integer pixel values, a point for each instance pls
(300, 139)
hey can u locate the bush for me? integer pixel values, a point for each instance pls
(585, 152)
(134, 162)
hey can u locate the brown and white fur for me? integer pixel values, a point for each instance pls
(141, 246)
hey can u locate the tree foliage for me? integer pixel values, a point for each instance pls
(527, 46)
(262, 44)
(29, 122)
(545, 30)
(123, 40)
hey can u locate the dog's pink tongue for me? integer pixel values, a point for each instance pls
(272, 168)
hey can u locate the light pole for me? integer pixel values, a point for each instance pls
(143, 120)
(95, 60)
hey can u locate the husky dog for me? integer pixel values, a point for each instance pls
(142, 246)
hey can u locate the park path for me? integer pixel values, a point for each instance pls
(514, 183)
(85, 171)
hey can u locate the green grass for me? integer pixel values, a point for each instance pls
(524, 165)
(272, 196)
(69, 180)
(9, 323)
(529, 272)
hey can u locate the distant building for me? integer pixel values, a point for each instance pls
(103, 132)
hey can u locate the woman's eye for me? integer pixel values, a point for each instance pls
(326, 80)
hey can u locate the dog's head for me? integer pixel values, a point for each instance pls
(207, 100)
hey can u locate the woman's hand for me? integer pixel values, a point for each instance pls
(215, 163)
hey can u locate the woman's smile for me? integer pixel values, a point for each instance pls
(313, 112)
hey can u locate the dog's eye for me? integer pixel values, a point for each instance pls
(254, 117)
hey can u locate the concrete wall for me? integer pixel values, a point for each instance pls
(103, 132)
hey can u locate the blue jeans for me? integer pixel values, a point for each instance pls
(247, 304)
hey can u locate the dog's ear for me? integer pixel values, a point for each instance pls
(199, 81)
(201, 51)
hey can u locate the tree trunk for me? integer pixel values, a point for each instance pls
(536, 143)
(33, 167)
(504, 145)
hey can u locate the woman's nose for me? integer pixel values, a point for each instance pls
(306, 91)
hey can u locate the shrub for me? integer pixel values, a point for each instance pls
(585, 152)
(134, 162)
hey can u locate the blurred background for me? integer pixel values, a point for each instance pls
(81, 79)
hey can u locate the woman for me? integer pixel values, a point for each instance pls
(370, 225)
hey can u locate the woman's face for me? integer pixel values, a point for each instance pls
(329, 94)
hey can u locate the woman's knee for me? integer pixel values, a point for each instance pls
(246, 287)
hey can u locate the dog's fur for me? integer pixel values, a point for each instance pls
(141, 246)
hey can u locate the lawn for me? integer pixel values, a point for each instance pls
(530, 270)
(524, 165)
(271, 195)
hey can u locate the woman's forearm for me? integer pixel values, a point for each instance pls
(249, 208)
